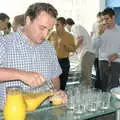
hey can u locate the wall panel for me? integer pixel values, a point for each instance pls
(82, 11)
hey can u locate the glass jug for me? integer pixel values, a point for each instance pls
(33, 100)
(15, 107)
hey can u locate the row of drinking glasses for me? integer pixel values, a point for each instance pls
(82, 99)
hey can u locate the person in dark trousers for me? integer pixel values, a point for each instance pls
(95, 33)
(108, 43)
(64, 44)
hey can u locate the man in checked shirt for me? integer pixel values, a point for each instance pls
(26, 58)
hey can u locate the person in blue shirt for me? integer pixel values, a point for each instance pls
(27, 59)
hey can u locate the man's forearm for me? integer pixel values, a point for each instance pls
(9, 74)
(33, 79)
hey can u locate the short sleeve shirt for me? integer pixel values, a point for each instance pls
(16, 52)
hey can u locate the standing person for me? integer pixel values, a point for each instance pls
(26, 58)
(108, 43)
(4, 20)
(69, 23)
(95, 27)
(64, 44)
(95, 33)
(7, 29)
(18, 22)
(85, 53)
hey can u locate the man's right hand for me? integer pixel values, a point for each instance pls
(33, 79)
(102, 27)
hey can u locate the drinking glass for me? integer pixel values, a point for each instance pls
(71, 97)
(105, 104)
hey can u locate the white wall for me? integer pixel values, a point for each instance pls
(82, 11)
(102, 4)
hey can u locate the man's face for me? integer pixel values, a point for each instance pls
(59, 26)
(69, 27)
(38, 29)
(3, 24)
(108, 20)
(99, 19)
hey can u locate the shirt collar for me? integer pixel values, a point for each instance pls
(22, 38)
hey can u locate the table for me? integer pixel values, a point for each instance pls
(61, 112)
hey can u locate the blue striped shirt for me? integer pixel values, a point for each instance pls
(16, 52)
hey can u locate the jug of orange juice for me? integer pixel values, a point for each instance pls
(15, 107)
(33, 100)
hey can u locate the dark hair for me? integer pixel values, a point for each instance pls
(108, 11)
(19, 19)
(99, 14)
(35, 9)
(4, 16)
(9, 25)
(62, 20)
(70, 21)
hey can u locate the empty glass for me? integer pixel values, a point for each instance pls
(105, 104)
(71, 98)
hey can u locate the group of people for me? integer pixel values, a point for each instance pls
(72, 41)
(101, 49)
(28, 59)
(105, 37)
(66, 39)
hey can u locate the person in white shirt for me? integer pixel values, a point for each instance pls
(84, 53)
(109, 49)
(95, 33)
(95, 27)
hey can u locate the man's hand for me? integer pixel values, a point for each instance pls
(33, 79)
(112, 57)
(61, 95)
(101, 28)
(80, 40)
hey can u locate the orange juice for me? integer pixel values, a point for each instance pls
(15, 107)
(33, 100)
(56, 100)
